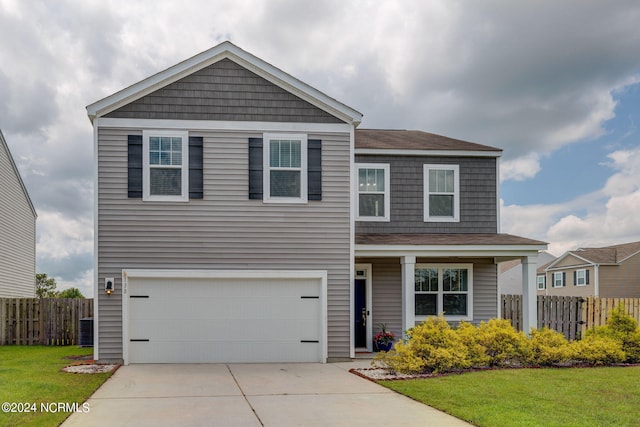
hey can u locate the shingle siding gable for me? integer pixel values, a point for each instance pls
(478, 195)
(224, 91)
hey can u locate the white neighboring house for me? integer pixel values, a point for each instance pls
(510, 274)
(17, 231)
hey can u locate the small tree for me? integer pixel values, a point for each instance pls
(70, 293)
(45, 286)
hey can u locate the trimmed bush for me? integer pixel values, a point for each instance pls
(598, 349)
(624, 329)
(503, 344)
(477, 353)
(547, 347)
(433, 347)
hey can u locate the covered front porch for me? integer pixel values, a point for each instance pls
(402, 279)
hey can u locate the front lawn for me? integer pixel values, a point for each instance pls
(607, 396)
(31, 375)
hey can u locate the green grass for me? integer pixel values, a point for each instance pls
(608, 396)
(31, 374)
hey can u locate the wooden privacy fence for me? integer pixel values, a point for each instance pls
(46, 321)
(571, 316)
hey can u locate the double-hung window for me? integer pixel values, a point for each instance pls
(285, 168)
(373, 192)
(541, 282)
(581, 277)
(558, 279)
(165, 166)
(441, 193)
(444, 289)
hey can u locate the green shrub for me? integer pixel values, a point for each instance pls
(546, 347)
(502, 342)
(621, 323)
(597, 348)
(433, 347)
(477, 353)
(624, 329)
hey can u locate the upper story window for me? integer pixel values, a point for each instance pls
(542, 282)
(373, 192)
(285, 168)
(441, 193)
(165, 166)
(558, 279)
(444, 289)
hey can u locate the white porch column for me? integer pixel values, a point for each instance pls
(529, 294)
(408, 293)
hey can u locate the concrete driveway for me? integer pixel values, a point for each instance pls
(251, 395)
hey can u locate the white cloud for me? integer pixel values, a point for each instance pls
(60, 237)
(521, 168)
(606, 217)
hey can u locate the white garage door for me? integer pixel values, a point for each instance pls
(220, 320)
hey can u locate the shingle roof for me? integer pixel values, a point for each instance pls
(444, 239)
(414, 140)
(608, 254)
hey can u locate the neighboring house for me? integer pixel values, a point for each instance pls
(510, 274)
(243, 218)
(607, 272)
(17, 231)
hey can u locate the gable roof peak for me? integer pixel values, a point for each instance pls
(227, 50)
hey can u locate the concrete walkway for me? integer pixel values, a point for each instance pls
(251, 395)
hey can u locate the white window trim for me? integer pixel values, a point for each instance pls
(146, 185)
(542, 282)
(266, 180)
(387, 192)
(456, 195)
(561, 279)
(584, 277)
(440, 292)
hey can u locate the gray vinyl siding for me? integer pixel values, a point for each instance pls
(386, 284)
(485, 290)
(478, 198)
(224, 91)
(386, 293)
(224, 230)
(17, 233)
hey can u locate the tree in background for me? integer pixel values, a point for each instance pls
(45, 286)
(70, 293)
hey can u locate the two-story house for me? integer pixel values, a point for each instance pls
(242, 217)
(17, 231)
(607, 272)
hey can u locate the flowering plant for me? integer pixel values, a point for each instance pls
(384, 336)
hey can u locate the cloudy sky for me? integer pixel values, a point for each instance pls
(555, 84)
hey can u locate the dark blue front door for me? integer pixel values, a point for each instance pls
(360, 312)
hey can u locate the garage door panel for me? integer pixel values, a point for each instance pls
(212, 352)
(225, 320)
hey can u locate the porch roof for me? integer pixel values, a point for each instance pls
(500, 246)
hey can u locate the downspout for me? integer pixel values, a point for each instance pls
(596, 283)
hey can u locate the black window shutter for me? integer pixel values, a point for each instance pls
(134, 166)
(314, 169)
(255, 168)
(564, 278)
(575, 278)
(195, 167)
(587, 280)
